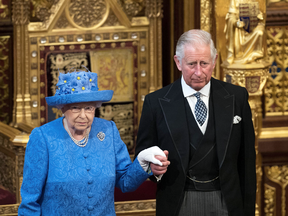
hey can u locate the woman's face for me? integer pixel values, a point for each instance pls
(80, 116)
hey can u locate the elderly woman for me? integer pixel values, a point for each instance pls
(73, 163)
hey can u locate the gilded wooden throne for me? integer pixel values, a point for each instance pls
(118, 39)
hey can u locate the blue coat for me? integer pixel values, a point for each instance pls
(61, 178)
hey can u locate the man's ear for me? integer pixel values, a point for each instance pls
(177, 63)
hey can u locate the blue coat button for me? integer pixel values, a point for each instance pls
(90, 208)
(85, 154)
(90, 181)
(88, 167)
(90, 194)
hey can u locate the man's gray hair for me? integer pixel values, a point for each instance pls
(196, 38)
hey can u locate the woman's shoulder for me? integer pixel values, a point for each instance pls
(53, 125)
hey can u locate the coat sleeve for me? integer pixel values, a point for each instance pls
(147, 133)
(246, 161)
(34, 174)
(129, 176)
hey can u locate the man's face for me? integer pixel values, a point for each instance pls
(196, 66)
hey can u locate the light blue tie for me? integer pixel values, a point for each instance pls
(200, 109)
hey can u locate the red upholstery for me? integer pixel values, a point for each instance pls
(6, 197)
(146, 191)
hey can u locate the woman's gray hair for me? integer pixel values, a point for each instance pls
(195, 38)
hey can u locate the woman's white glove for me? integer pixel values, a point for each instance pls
(148, 155)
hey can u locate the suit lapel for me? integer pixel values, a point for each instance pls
(172, 105)
(223, 111)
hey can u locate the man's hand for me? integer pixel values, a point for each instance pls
(160, 170)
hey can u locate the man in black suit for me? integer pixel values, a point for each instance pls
(206, 125)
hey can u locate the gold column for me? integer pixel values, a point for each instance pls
(189, 18)
(20, 18)
(206, 8)
(247, 65)
(253, 77)
(154, 13)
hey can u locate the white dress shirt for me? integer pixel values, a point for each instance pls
(188, 94)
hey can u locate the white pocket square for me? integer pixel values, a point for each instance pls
(236, 119)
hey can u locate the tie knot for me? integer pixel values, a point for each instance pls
(197, 95)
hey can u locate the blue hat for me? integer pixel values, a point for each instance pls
(77, 87)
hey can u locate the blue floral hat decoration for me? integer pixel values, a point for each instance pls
(77, 87)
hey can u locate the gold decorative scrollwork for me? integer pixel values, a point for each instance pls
(269, 200)
(154, 8)
(21, 12)
(279, 175)
(7, 174)
(122, 115)
(42, 9)
(88, 14)
(112, 20)
(62, 22)
(4, 10)
(9, 209)
(206, 7)
(134, 206)
(276, 91)
(4, 90)
(239, 77)
(132, 8)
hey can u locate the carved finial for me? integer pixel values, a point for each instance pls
(21, 12)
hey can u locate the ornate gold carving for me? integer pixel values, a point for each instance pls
(4, 79)
(132, 8)
(275, 1)
(276, 91)
(62, 22)
(122, 115)
(113, 45)
(112, 20)
(5, 10)
(279, 175)
(42, 9)
(9, 209)
(58, 112)
(88, 14)
(135, 206)
(21, 12)
(119, 13)
(239, 77)
(269, 200)
(7, 172)
(154, 8)
(47, 15)
(245, 37)
(206, 8)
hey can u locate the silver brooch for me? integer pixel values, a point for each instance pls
(101, 136)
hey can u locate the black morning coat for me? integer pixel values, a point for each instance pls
(163, 123)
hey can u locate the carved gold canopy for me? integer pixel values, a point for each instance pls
(118, 39)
